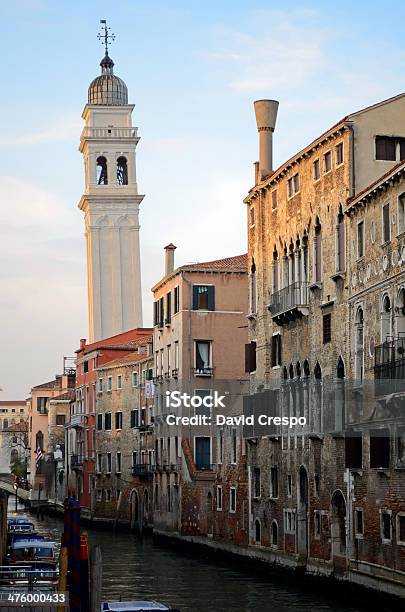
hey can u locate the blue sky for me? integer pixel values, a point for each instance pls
(193, 70)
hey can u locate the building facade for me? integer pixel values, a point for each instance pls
(301, 352)
(11, 413)
(125, 460)
(199, 335)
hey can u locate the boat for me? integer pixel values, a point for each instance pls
(136, 605)
(34, 552)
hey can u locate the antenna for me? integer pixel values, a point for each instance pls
(104, 36)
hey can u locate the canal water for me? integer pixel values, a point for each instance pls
(135, 569)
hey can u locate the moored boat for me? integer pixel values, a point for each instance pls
(136, 605)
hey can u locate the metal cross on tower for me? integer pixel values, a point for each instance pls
(104, 36)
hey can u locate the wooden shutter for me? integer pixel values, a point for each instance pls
(195, 297)
(386, 222)
(250, 357)
(211, 298)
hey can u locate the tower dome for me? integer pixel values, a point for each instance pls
(108, 89)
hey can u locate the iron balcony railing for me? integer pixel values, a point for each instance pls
(76, 461)
(290, 297)
(143, 470)
(389, 366)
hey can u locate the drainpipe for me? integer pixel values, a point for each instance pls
(349, 515)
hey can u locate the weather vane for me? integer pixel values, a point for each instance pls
(104, 36)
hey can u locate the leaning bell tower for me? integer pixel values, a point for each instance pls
(111, 204)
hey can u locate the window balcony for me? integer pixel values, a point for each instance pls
(144, 471)
(389, 367)
(76, 462)
(77, 420)
(203, 371)
(290, 303)
(175, 373)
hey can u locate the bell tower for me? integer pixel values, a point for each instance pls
(111, 204)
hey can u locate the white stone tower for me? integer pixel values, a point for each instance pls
(111, 205)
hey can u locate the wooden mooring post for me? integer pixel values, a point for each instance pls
(96, 578)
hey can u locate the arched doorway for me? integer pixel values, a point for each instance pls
(134, 510)
(258, 532)
(338, 524)
(303, 513)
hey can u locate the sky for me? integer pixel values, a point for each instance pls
(193, 70)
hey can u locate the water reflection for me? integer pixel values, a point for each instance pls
(134, 569)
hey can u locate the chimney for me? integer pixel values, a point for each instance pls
(82, 343)
(266, 115)
(169, 258)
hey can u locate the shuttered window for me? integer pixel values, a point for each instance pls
(250, 357)
(203, 297)
(327, 327)
(276, 350)
(385, 148)
(386, 223)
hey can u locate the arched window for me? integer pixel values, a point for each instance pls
(386, 319)
(258, 530)
(318, 251)
(400, 310)
(340, 241)
(122, 171)
(306, 368)
(39, 440)
(317, 371)
(102, 176)
(340, 368)
(298, 369)
(275, 270)
(305, 257)
(274, 534)
(253, 289)
(291, 371)
(285, 373)
(359, 348)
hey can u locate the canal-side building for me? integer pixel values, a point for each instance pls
(301, 342)
(12, 413)
(376, 279)
(200, 330)
(125, 460)
(80, 444)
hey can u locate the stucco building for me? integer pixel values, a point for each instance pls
(12, 412)
(199, 335)
(301, 351)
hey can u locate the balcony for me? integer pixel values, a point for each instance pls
(106, 132)
(76, 462)
(144, 471)
(205, 371)
(389, 367)
(290, 303)
(175, 373)
(76, 420)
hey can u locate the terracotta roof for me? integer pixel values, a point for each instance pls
(113, 342)
(69, 395)
(397, 169)
(22, 426)
(48, 385)
(126, 360)
(13, 403)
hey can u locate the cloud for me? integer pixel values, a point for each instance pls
(283, 51)
(62, 130)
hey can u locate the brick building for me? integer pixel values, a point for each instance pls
(199, 335)
(81, 430)
(301, 340)
(124, 441)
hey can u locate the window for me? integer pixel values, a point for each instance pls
(276, 350)
(203, 357)
(258, 532)
(253, 288)
(296, 182)
(354, 451)
(168, 308)
(386, 223)
(274, 199)
(99, 422)
(176, 355)
(289, 521)
(176, 299)
(317, 524)
(317, 170)
(327, 162)
(317, 485)
(134, 418)
(274, 534)
(401, 213)
(122, 171)
(101, 171)
(39, 438)
(220, 446)
(252, 216)
(318, 251)
(134, 379)
(202, 452)
(385, 148)
(232, 499)
(99, 495)
(118, 462)
(340, 241)
(107, 421)
(108, 495)
(203, 297)
(109, 463)
(42, 405)
(386, 527)
(327, 328)
(290, 188)
(134, 458)
(274, 482)
(202, 410)
(100, 385)
(60, 419)
(293, 185)
(339, 154)
(401, 528)
(109, 383)
(219, 498)
(99, 463)
(119, 381)
(234, 447)
(250, 357)
(85, 367)
(118, 420)
(289, 485)
(256, 482)
(360, 239)
(358, 523)
(379, 448)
